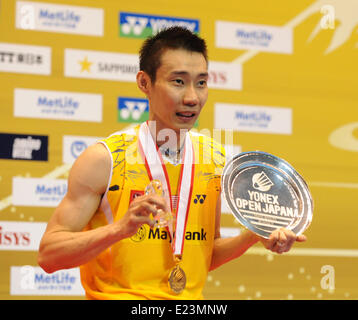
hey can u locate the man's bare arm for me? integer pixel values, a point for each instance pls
(64, 244)
(227, 249)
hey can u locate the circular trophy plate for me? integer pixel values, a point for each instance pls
(266, 193)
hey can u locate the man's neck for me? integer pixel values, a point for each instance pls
(167, 138)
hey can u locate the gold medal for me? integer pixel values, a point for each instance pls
(177, 279)
(157, 172)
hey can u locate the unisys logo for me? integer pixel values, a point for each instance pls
(224, 75)
(22, 236)
(14, 238)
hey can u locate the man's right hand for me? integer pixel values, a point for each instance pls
(139, 213)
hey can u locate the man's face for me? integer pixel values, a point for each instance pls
(180, 90)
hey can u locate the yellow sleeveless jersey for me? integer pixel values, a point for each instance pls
(139, 267)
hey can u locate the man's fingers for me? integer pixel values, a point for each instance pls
(147, 204)
(150, 222)
(160, 203)
(301, 238)
(281, 240)
(271, 241)
(140, 220)
(148, 209)
(154, 200)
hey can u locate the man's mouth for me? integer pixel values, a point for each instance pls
(186, 115)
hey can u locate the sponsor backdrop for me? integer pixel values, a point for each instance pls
(282, 80)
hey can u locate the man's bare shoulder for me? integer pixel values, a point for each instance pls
(92, 169)
(95, 153)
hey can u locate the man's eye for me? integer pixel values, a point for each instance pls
(202, 83)
(179, 81)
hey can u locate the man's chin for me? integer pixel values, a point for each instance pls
(177, 126)
(183, 126)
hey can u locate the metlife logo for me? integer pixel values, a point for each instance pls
(38, 192)
(91, 64)
(132, 109)
(58, 105)
(30, 280)
(245, 36)
(20, 58)
(23, 147)
(259, 119)
(42, 16)
(135, 25)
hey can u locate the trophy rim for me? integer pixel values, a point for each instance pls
(281, 167)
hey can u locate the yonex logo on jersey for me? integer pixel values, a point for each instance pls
(132, 109)
(199, 198)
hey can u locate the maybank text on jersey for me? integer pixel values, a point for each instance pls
(162, 234)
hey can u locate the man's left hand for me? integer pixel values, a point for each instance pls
(281, 240)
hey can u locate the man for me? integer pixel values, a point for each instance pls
(105, 221)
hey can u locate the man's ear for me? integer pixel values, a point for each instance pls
(143, 82)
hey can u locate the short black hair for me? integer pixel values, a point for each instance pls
(175, 37)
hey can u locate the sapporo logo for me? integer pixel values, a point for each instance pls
(133, 25)
(261, 182)
(85, 65)
(132, 109)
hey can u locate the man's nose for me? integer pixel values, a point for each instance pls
(190, 96)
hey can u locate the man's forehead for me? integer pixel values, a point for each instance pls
(180, 60)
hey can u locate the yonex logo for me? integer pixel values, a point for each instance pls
(135, 25)
(132, 109)
(261, 182)
(200, 198)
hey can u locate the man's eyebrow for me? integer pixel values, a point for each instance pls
(183, 73)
